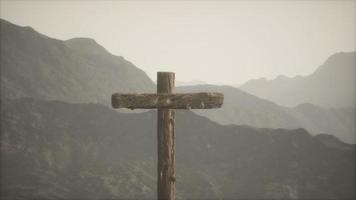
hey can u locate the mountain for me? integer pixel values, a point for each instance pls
(80, 70)
(241, 108)
(81, 150)
(333, 84)
(76, 70)
(338, 121)
(55, 150)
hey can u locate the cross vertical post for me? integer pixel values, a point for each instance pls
(165, 100)
(165, 141)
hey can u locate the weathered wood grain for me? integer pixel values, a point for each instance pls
(203, 100)
(166, 188)
(166, 101)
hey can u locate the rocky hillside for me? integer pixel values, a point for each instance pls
(84, 150)
(77, 70)
(80, 70)
(54, 150)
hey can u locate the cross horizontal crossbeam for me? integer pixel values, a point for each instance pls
(166, 101)
(202, 100)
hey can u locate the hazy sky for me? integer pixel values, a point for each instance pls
(216, 42)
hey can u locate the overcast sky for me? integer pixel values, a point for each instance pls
(217, 42)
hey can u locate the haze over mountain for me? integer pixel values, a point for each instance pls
(186, 83)
(241, 108)
(76, 70)
(55, 150)
(58, 150)
(331, 85)
(80, 70)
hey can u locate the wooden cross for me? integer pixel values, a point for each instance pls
(165, 100)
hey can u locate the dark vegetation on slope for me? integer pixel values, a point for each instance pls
(57, 150)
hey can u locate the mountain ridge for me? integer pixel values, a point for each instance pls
(80, 70)
(88, 151)
(242, 108)
(33, 65)
(60, 140)
(332, 84)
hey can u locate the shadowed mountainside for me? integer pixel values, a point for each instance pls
(54, 150)
(76, 70)
(80, 70)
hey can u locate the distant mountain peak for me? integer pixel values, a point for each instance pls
(9, 26)
(332, 84)
(255, 80)
(75, 70)
(86, 45)
(338, 61)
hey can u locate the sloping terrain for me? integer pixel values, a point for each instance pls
(57, 150)
(333, 84)
(54, 150)
(80, 70)
(77, 70)
(241, 108)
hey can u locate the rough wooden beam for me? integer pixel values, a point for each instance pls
(166, 172)
(203, 100)
(166, 101)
